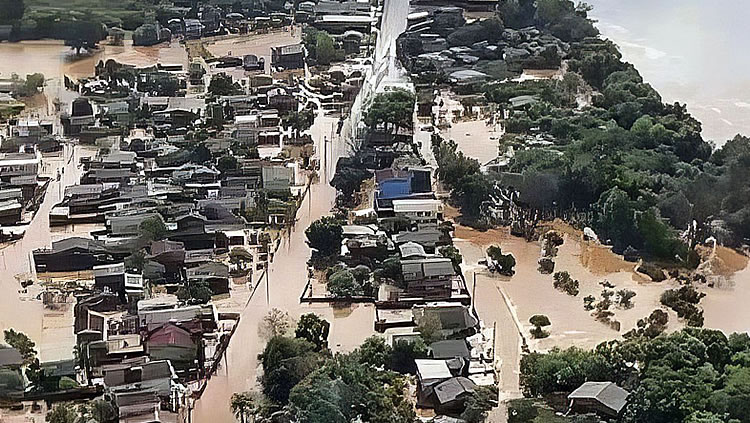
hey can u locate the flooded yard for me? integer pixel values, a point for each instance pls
(474, 135)
(259, 45)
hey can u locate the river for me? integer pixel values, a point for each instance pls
(691, 51)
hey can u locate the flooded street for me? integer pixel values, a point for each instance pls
(288, 272)
(287, 279)
(22, 311)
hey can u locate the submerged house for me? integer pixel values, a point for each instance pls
(288, 57)
(395, 184)
(178, 342)
(191, 232)
(158, 376)
(11, 374)
(448, 396)
(113, 278)
(71, 254)
(214, 274)
(455, 319)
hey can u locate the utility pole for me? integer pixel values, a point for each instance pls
(474, 293)
(268, 293)
(325, 158)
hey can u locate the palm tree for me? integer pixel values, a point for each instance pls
(243, 406)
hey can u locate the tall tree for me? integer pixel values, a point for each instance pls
(324, 49)
(313, 329)
(243, 406)
(84, 35)
(325, 235)
(393, 109)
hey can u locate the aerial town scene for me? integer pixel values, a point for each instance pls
(386, 211)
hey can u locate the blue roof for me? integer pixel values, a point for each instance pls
(394, 188)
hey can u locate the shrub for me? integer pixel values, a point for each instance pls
(685, 301)
(564, 283)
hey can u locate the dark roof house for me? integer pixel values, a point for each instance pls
(447, 396)
(603, 398)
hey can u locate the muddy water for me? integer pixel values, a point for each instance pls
(287, 279)
(692, 51)
(22, 311)
(532, 293)
(726, 308)
(54, 60)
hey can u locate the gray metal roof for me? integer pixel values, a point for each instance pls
(412, 249)
(10, 357)
(453, 388)
(607, 393)
(438, 267)
(450, 349)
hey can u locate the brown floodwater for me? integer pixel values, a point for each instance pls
(287, 278)
(54, 60)
(21, 310)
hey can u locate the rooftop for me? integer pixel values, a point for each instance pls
(606, 393)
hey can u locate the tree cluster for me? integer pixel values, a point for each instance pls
(223, 85)
(564, 282)
(348, 387)
(684, 301)
(640, 165)
(325, 235)
(391, 110)
(504, 262)
(690, 375)
(345, 283)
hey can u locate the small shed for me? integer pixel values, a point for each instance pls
(603, 398)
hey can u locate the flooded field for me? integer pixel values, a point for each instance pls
(529, 292)
(474, 136)
(259, 45)
(54, 60)
(475, 139)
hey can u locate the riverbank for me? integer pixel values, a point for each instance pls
(688, 50)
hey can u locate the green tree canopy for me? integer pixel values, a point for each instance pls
(223, 85)
(325, 51)
(325, 235)
(84, 34)
(286, 361)
(312, 328)
(393, 109)
(194, 292)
